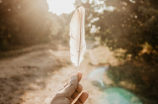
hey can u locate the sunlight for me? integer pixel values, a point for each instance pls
(61, 6)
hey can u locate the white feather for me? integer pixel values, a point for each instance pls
(77, 36)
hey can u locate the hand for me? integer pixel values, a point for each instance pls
(69, 92)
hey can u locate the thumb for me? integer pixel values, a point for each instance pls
(71, 87)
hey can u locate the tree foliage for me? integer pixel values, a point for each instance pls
(127, 24)
(23, 22)
(28, 22)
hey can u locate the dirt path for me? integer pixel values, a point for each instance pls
(30, 78)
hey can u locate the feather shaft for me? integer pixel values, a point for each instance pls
(77, 36)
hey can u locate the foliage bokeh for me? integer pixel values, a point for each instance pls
(130, 25)
(127, 24)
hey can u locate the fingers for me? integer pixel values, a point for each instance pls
(77, 92)
(72, 85)
(79, 74)
(64, 86)
(82, 98)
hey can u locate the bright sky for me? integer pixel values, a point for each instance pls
(61, 6)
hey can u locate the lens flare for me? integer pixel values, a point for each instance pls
(97, 76)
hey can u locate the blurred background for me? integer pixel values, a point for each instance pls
(120, 65)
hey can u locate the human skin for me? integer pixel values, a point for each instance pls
(69, 93)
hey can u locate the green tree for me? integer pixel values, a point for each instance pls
(60, 27)
(127, 24)
(23, 23)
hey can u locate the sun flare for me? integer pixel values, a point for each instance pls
(61, 6)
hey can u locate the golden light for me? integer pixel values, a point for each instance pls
(61, 6)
